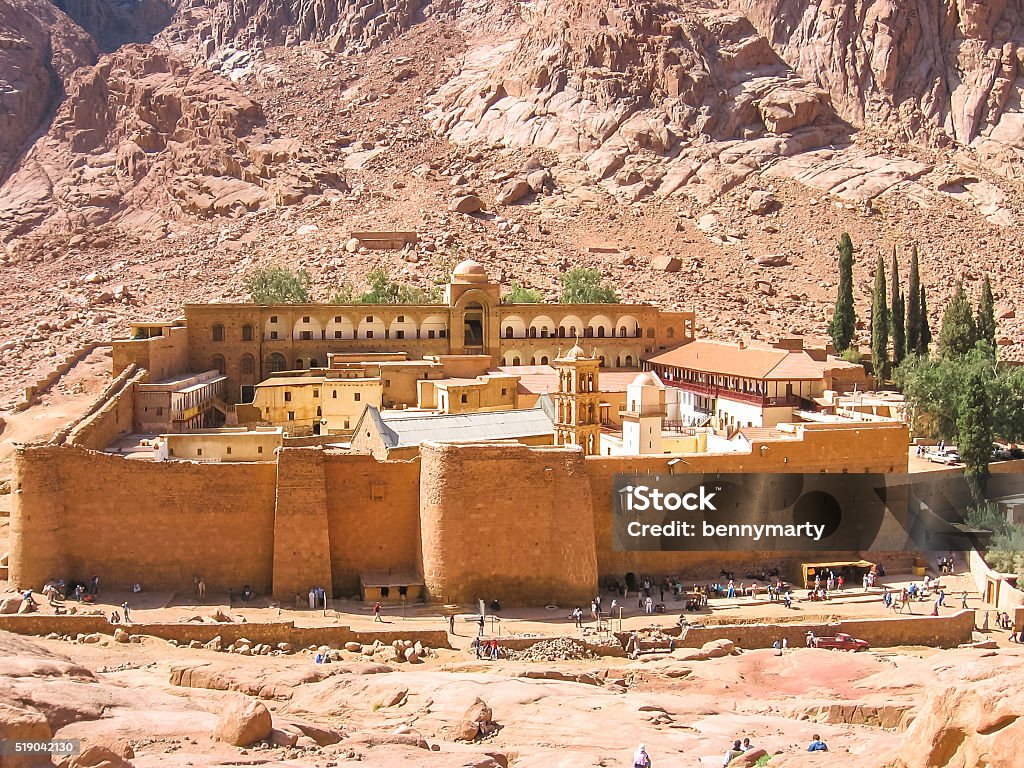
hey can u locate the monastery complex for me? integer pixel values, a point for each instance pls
(458, 451)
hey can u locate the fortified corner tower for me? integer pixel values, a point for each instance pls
(577, 402)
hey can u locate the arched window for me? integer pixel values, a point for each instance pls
(650, 333)
(314, 363)
(670, 332)
(246, 332)
(600, 331)
(217, 361)
(515, 361)
(218, 332)
(508, 332)
(276, 362)
(544, 360)
(248, 365)
(629, 361)
(622, 331)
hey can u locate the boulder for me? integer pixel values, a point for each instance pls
(215, 644)
(99, 756)
(773, 260)
(120, 636)
(411, 656)
(353, 646)
(242, 722)
(717, 648)
(476, 723)
(513, 192)
(761, 202)
(666, 263)
(538, 180)
(280, 738)
(747, 759)
(467, 204)
(10, 605)
(24, 725)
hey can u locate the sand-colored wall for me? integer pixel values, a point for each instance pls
(113, 418)
(526, 538)
(372, 516)
(878, 448)
(79, 513)
(162, 356)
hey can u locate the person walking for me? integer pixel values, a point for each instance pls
(480, 624)
(963, 601)
(124, 607)
(451, 622)
(202, 589)
(577, 616)
(376, 613)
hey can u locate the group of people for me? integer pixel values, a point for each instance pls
(642, 758)
(317, 598)
(487, 649)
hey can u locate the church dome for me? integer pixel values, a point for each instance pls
(469, 271)
(575, 353)
(645, 379)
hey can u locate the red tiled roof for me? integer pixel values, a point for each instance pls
(540, 379)
(766, 363)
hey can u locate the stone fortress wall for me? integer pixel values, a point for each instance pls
(497, 520)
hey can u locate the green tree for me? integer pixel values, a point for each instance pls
(898, 322)
(844, 319)
(518, 294)
(959, 332)
(879, 323)
(584, 286)
(976, 429)
(277, 285)
(924, 326)
(383, 290)
(913, 330)
(345, 294)
(986, 319)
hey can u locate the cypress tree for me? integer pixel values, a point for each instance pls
(879, 324)
(975, 427)
(844, 319)
(959, 331)
(898, 325)
(986, 320)
(914, 306)
(925, 338)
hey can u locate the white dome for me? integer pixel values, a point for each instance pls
(469, 271)
(645, 379)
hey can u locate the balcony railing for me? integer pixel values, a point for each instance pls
(753, 398)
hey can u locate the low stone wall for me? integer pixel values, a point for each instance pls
(33, 391)
(258, 632)
(934, 631)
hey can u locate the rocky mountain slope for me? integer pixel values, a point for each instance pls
(155, 150)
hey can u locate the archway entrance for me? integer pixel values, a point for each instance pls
(473, 328)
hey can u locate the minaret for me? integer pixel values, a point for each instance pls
(578, 401)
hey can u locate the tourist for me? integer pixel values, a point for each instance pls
(247, 593)
(733, 752)
(577, 616)
(115, 617)
(984, 622)
(136, 588)
(26, 596)
(731, 590)
(202, 590)
(648, 604)
(785, 644)
(495, 651)
(746, 746)
(479, 624)
(451, 621)
(312, 599)
(79, 592)
(614, 605)
(788, 599)
(942, 598)
(839, 582)
(376, 612)
(640, 758)
(817, 745)
(124, 607)
(597, 603)
(476, 646)
(865, 582)
(319, 659)
(593, 610)
(810, 639)
(963, 601)
(935, 608)
(95, 585)
(778, 648)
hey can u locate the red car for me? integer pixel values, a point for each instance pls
(841, 642)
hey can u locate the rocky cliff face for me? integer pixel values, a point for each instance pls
(657, 93)
(39, 48)
(939, 71)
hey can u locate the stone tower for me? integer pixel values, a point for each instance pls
(645, 411)
(578, 401)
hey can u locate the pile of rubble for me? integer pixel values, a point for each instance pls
(555, 649)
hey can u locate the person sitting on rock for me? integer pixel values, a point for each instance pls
(817, 745)
(746, 746)
(733, 752)
(640, 758)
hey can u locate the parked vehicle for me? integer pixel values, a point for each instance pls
(841, 642)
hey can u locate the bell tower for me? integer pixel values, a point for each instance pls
(578, 401)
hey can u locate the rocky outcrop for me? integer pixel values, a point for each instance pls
(967, 724)
(39, 47)
(653, 97)
(937, 70)
(350, 26)
(113, 24)
(150, 139)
